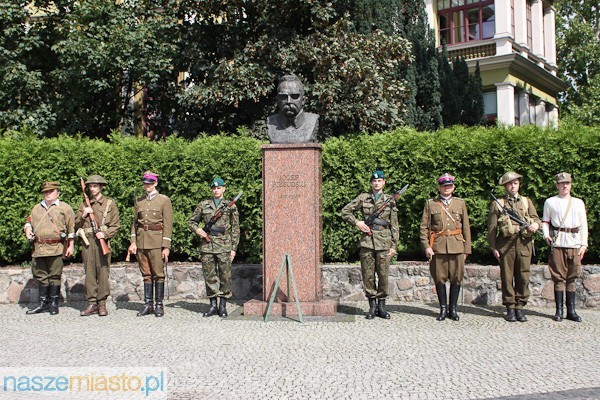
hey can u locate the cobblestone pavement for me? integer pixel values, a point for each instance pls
(411, 356)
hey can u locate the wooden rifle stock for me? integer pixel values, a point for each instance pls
(93, 222)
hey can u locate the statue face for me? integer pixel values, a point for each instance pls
(290, 99)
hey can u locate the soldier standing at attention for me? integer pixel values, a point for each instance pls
(96, 264)
(151, 241)
(218, 246)
(446, 240)
(565, 229)
(50, 226)
(512, 244)
(378, 242)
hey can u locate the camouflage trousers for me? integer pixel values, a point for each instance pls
(375, 263)
(217, 274)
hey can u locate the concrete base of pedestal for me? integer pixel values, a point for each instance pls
(323, 308)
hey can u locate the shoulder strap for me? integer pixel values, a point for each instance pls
(108, 203)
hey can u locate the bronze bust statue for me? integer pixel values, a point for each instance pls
(292, 124)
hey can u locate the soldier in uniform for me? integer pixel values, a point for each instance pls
(151, 241)
(378, 242)
(512, 245)
(96, 264)
(446, 240)
(217, 247)
(50, 226)
(565, 228)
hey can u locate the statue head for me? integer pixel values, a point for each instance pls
(290, 96)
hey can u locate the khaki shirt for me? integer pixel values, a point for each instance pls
(229, 222)
(107, 219)
(523, 243)
(55, 222)
(150, 211)
(384, 239)
(436, 219)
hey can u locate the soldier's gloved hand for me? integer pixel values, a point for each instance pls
(363, 227)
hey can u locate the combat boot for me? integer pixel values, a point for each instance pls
(571, 314)
(381, 312)
(148, 305)
(440, 288)
(510, 315)
(372, 309)
(159, 310)
(44, 301)
(223, 308)
(213, 310)
(454, 291)
(560, 302)
(520, 315)
(54, 298)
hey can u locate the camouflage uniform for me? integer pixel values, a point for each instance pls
(96, 264)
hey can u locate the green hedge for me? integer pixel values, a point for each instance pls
(476, 156)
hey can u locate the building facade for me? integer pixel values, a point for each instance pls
(514, 42)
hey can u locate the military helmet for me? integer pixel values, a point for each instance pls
(508, 177)
(96, 179)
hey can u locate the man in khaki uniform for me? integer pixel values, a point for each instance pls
(50, 226)
(217, 247)
(378, 242)
(96, 264)
(446, 239)
(565, 228)
(512, 244)
(151, 241)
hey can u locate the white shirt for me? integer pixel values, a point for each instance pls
(554, 211)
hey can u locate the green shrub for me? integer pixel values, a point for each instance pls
(476, 156)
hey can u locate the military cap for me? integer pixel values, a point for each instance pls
(509, 177)
(563, 177)
(446, 179)
(218, 181)
(377, 175)
(149, 177)
(96, 179)
(48, 186)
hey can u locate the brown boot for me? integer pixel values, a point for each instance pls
(102, 311)
(89, 310)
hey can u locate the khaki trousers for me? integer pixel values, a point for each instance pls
(565, 268)
(152, 266)
(444, 267)
(47, 270)
(514, 273)
(97, 271)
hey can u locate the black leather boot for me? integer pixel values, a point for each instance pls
(148, 305)
(520, 315)
(381, 312)
(560, 302)
(571, 314)
(44, 301)
(223, 308)
(159, 292)
(454, 291)
(372, 309)
(440, 288)
(213, 310)
(510, 315)
(54, 298)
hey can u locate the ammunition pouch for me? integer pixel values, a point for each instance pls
(380, 222)
(217, 231)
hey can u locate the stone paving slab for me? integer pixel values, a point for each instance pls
(411, 356)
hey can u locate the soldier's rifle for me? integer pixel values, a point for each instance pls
(511, 214)
(93, 221)
(213, 220)
(371, 218)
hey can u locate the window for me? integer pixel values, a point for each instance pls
(462, 21)
(529, 24)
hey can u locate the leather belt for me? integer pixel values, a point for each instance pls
(156, 227)
(447, 232)
(48, 241)
(375, 227)
(568, 230)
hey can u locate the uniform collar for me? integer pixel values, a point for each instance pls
(151, 195)
(100, 200)
(445, 200)
(56, 203)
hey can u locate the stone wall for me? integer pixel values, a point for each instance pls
(409, 281)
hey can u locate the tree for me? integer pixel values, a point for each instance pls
(578, 54)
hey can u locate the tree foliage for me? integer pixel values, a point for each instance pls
(578, 54)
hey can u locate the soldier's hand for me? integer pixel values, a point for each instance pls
(132, 248)
(100, 235)
(429, 253)
(392, 252)
(496, 254)
(70, 249)
(202, 233)
(231, 255)
(581, 252)
(548, 241)
(533, 227)
(87, 211)
(165, 253)
(466, 255)
(363, 227)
